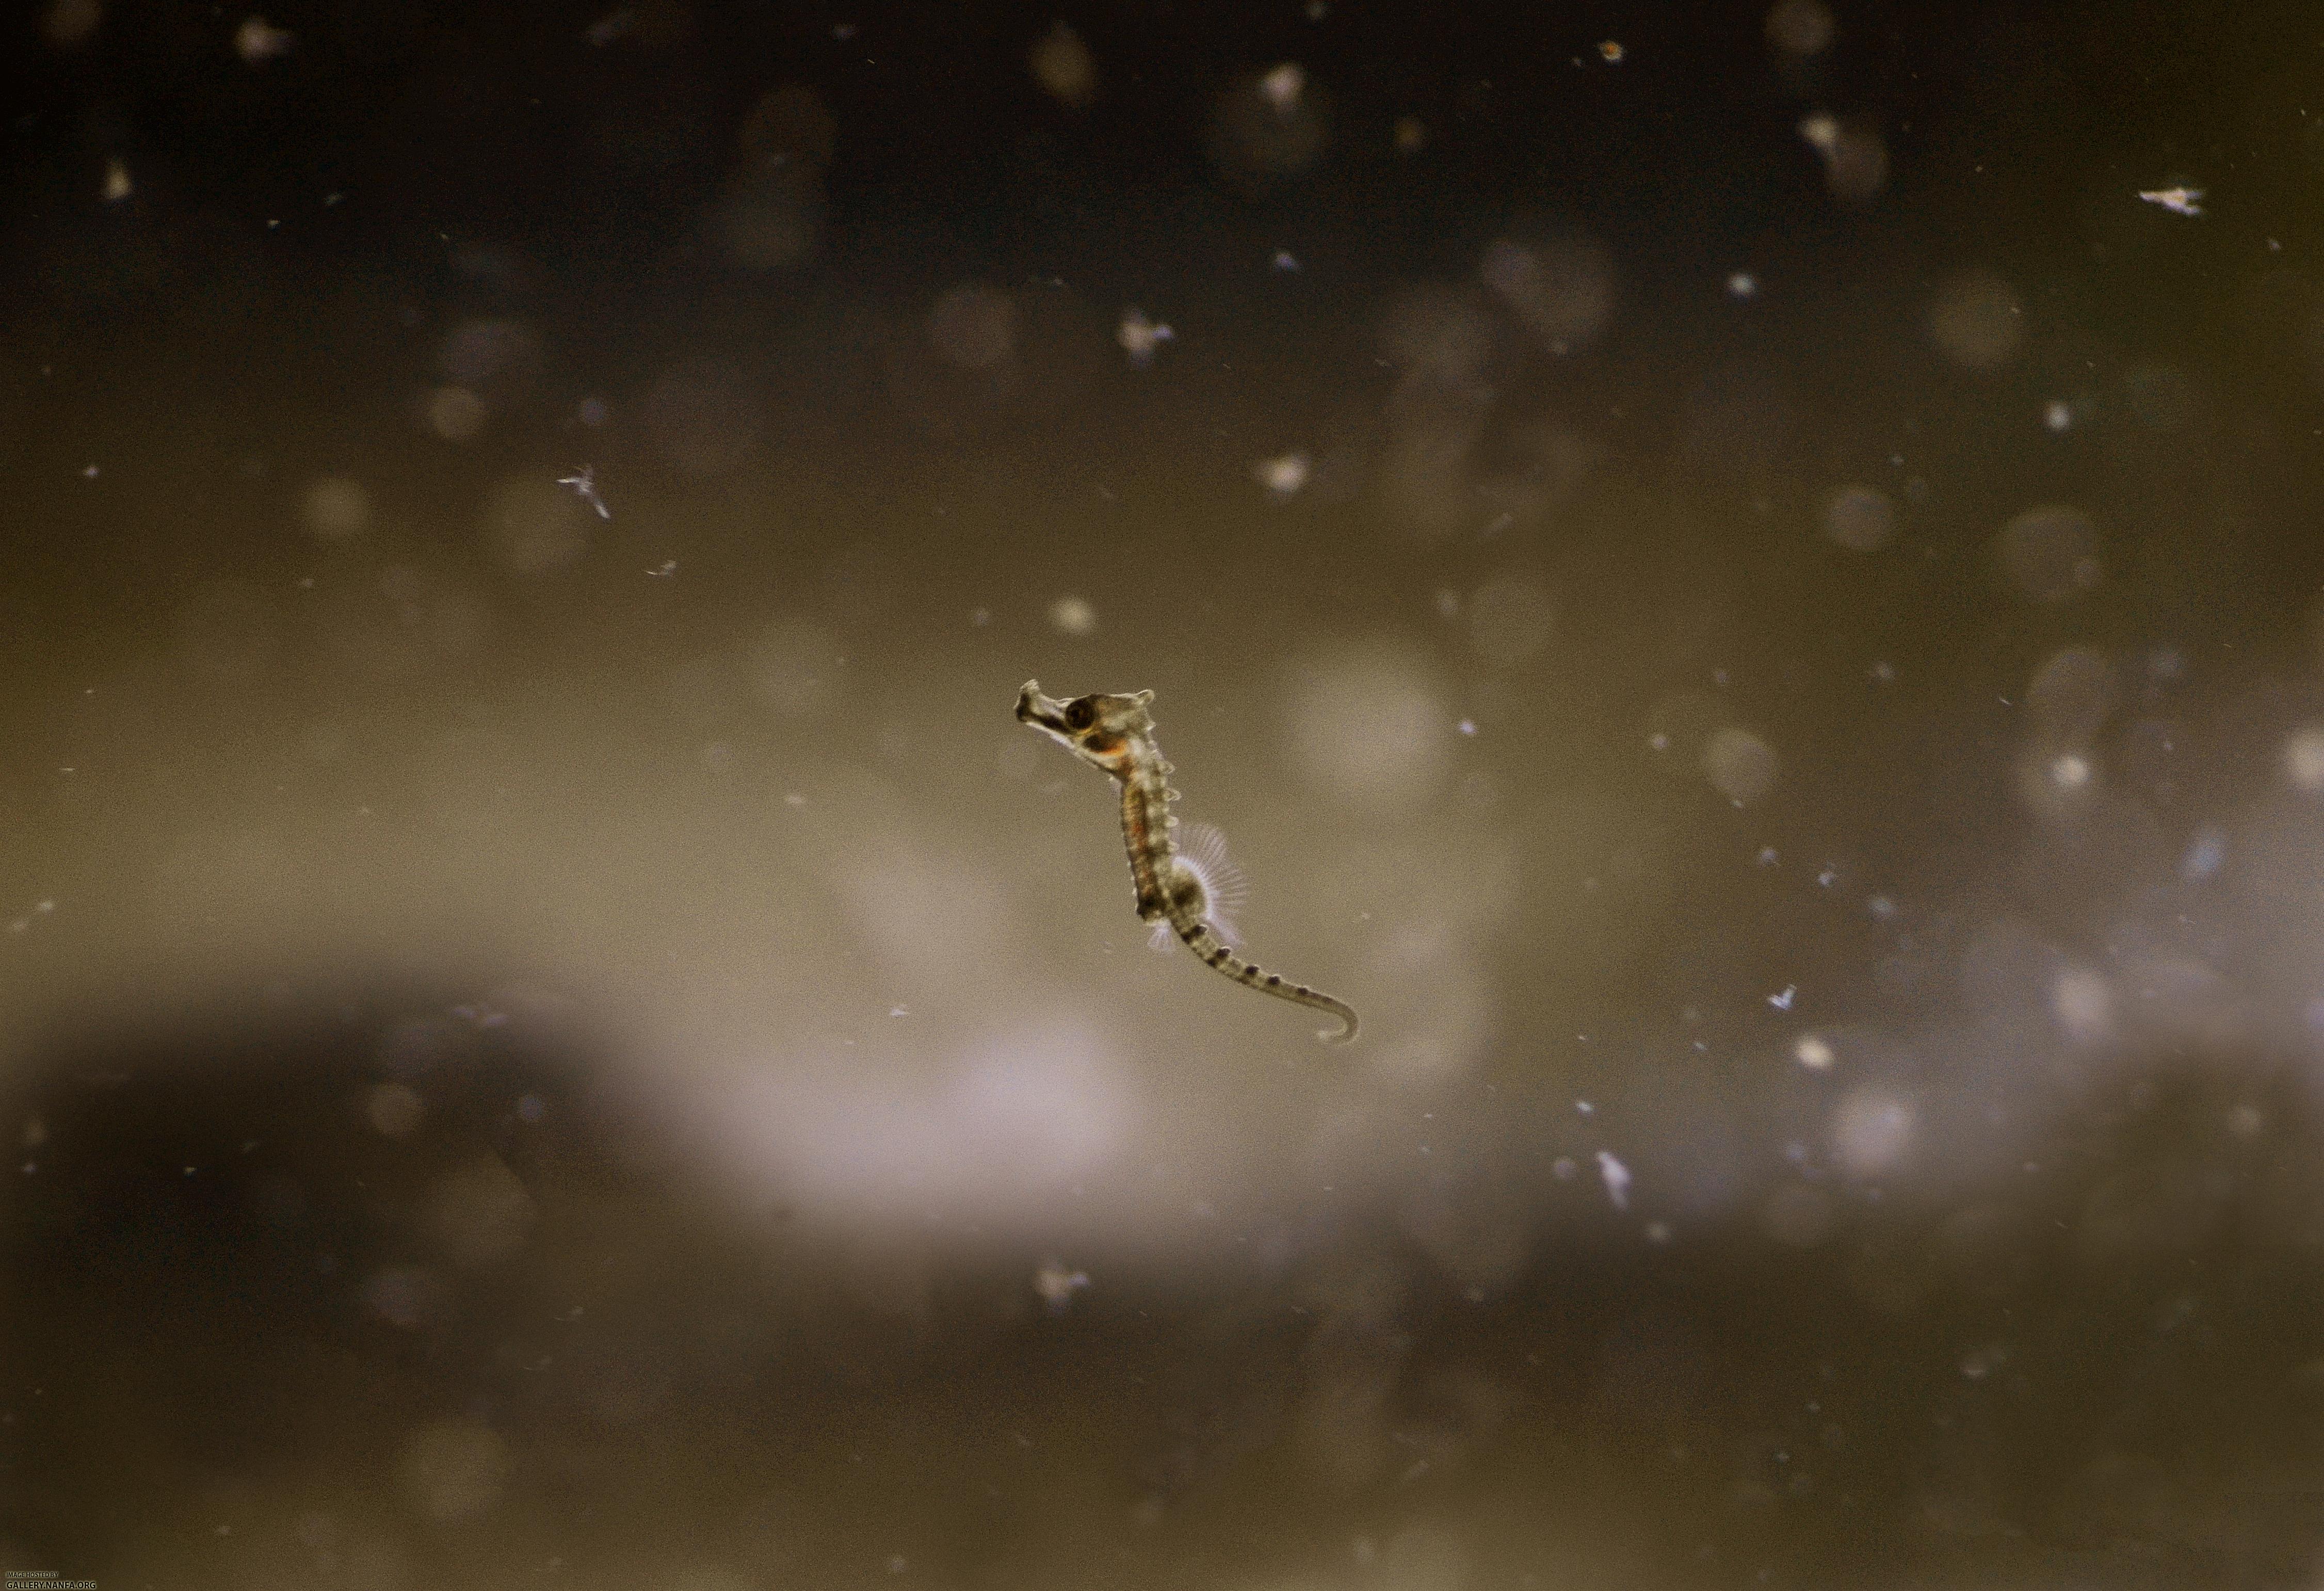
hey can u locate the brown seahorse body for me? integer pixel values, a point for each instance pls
(1115, 733)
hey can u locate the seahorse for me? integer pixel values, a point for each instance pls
(1115, 734)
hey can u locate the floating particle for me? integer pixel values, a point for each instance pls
(584, 482)
(1741, 764)
(2069, 771)
(1411, 135)
(1782, 1002)
(1282, 476)
(1813, 1051)
(1976, 320)
(1283, 261)
(2051, 554)
(2179, 201)
(2205, 853)
(1610, 52)
(2057, 415)
(257, 40)
(1063, 65)
(1871, 1130)
(1057, 1285)
(2303, 759)
(1741, 284)
(1283, 86)
(117, 186)
(1468, 726)
(2083, 1003)
(1767, 856)
(610, 27)
(1855, 157)
(1617, 1178)
(335, 508)
(1140, 336)
(669, 570)
(1072, 615)
(1860, 518)
(454, 413)
(1802, 27)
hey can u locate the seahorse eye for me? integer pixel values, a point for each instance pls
(1080, 715)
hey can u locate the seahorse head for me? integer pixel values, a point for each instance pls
(1103, 731)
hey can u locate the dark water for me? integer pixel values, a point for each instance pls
(1743, 584)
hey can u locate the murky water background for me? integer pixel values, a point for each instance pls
(1742, 584)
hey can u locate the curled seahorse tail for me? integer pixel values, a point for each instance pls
(1200, 938)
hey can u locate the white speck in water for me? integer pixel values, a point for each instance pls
(584, 482)
(1056, 1285)
(1282, 476)
(2179, 201)
(1767, 856)
(1284, 85)
(1616, 1177)
(2303, 759)
(1074, 615)
(1468, 726)
(2069, 771)
(2057, 415)
(1742, 284)
(1283, 261)
(2204, 855)
(1563, 1168)
(258, 40)
(1140, 336)
(117, 186)
(610, 27)
(1782, 1002)
(1813, 1052)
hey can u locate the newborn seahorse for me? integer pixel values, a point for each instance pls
(1116, 733)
